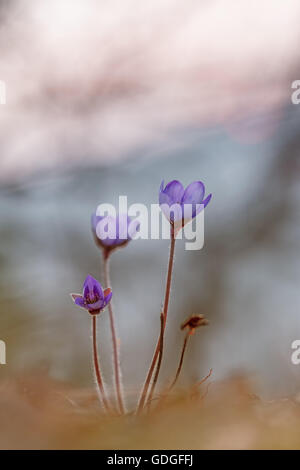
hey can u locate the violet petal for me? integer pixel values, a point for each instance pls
(175, 191)
(96, 305)
(90, 287)
(207, 200)
(80, 302)
(107, 299)
(194, 193)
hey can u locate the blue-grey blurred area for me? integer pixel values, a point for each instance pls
(114, 117)
(245, 280)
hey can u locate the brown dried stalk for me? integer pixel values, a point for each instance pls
(116, 361)
(161, 335)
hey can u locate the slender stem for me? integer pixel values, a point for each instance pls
(161, 336)
(161, 348)
(181, 360)
(117, 370)
(97, 365)
(169, 388)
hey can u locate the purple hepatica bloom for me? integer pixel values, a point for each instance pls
(113, 232)
(93, 298)
(187, 203)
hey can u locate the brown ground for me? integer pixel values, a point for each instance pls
(37, 413)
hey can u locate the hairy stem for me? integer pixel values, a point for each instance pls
(97, 365)
(116, 361)
(161, 335)
(161, 349)
(181, 360)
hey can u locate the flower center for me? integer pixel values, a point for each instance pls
(93, 300)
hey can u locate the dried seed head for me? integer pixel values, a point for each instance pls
(194, 322)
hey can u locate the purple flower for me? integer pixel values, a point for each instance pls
(93, 298)
(187, 203)
(113, 232)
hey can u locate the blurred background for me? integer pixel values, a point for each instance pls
(107, 99)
